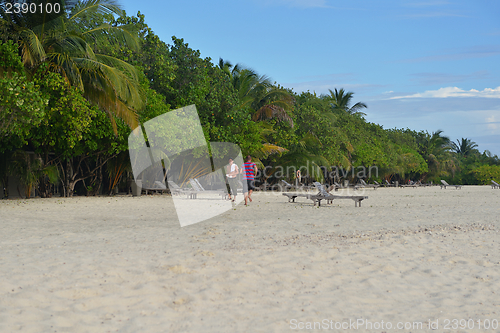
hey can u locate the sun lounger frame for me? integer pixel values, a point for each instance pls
(198, 188)
(364, 184)
(316, 198)
(445, 184)
(323, 195)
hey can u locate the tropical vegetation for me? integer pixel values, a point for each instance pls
(73, 86)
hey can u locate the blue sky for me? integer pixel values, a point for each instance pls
(423, 65)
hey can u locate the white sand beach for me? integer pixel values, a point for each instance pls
(124, 264)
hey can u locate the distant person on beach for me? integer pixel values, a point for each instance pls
(249, 170)
(231, 174)
(298, 178)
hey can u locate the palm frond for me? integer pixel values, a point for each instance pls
(269, 111)
(95, 8)
(32, 49)
(121, 34)
(112, 80)
(270, 149)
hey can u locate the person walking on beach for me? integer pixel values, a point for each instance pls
(249, 170)
(231, 173)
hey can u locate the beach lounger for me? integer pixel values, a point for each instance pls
(411, 184)
(355, 186)
(419, 183)
(156, 186)
(177, 190)
(387, 184)
(444, 184)
(324, 195)
(198, 188)
(494, 184)
(364, 184)
(334, 187)
(286, 186)
(292, 196)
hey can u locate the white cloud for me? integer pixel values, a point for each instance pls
(454, 92)
(492, 123)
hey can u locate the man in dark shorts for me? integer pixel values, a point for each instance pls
(249, 170)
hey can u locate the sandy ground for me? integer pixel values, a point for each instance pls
(407, 257)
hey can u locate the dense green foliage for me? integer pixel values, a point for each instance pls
(21, 105)
(73, 88)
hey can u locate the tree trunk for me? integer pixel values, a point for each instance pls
(69, 178)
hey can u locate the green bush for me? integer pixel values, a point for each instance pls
(485, 173)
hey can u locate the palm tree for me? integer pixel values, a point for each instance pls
(67, 44)
(435, 149)
(257, 93)
(266, 149)
(464, 147)
(272, 102)
(341, 100)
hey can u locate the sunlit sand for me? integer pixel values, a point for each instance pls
(124, 263)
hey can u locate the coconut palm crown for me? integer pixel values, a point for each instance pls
(66, 43)
(341, 100)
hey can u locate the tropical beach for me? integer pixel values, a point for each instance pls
(124, 264)
(150, 186)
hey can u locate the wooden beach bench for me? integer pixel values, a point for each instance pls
(444, 184)
(316, 198)
(323, 195)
